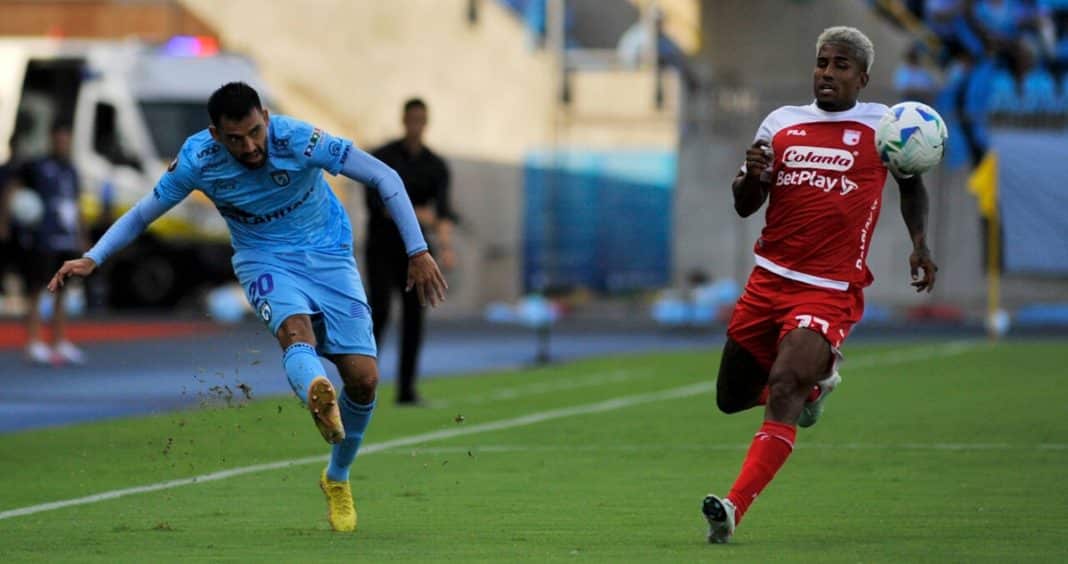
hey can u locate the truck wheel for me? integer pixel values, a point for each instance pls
(152, 281)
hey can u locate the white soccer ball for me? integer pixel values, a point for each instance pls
(27, 208)
(911, 138)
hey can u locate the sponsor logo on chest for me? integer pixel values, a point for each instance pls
(817, 180)
(820, 158)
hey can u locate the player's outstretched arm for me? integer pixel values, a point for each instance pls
(121, 233)
(750, 191)
(424, 276)
(914, 207)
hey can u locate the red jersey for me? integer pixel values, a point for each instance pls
(827, 184)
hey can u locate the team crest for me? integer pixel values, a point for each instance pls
(280, 177)
(265, 311)
(851, 137)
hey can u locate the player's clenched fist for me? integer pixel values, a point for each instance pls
(757, 159)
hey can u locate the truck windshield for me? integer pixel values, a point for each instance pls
(171, 122)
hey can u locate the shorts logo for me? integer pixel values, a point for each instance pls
(313, 141)
(265, 311)
(822, 158)
(851, 137)
(359, 310)
(280, 177)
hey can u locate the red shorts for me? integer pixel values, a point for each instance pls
(771, 306)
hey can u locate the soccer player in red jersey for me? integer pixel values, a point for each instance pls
(817, 167)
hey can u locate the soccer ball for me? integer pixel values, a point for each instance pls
(911, 139)
(27, 209)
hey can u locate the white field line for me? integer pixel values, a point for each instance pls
(522, 421)
(623, 375)
(541, 388)
(504, 449)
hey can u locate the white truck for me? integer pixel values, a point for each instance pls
(132, 105)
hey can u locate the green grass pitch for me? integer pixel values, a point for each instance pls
(937, 452)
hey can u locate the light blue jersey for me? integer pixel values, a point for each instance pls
(292, 238)
(285, 205)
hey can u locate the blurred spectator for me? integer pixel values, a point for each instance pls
(1000, 57)
(1064, 93)
(912, 81)
(1037, 87)
(1036, 24)
(951, 21)
(998, 22)
(59, 236)
(426, 177)
(1060, 47)
(9, 250)
(635, 43)
(975, 106)
(1004, 96)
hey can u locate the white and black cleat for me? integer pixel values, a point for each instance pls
(810, 414)
(720, 516)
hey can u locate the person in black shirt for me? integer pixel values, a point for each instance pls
(426, 177)
(10, 252)
(60, 235)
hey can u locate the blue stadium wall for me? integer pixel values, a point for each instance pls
(597, 219)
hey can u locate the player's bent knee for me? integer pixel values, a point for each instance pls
(296, 329)
(358, 372)
(368, 381)
(728, 404)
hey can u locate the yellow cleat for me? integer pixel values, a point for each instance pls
(340, 510)
(322, 403)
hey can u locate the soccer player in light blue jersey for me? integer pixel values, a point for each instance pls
(292, 254)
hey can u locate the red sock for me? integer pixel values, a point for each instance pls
(813, 395)
(771, 446)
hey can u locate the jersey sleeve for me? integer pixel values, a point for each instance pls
(766, 129)
(181, 178)
(318, 148)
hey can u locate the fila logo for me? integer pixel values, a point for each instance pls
(822, 158)
(796, 132)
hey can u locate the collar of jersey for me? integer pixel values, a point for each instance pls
(844, 113)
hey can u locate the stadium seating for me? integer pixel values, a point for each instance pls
(1039, 92)
(1004, 97)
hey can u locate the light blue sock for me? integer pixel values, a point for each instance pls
(355, 418)
(302, 365)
